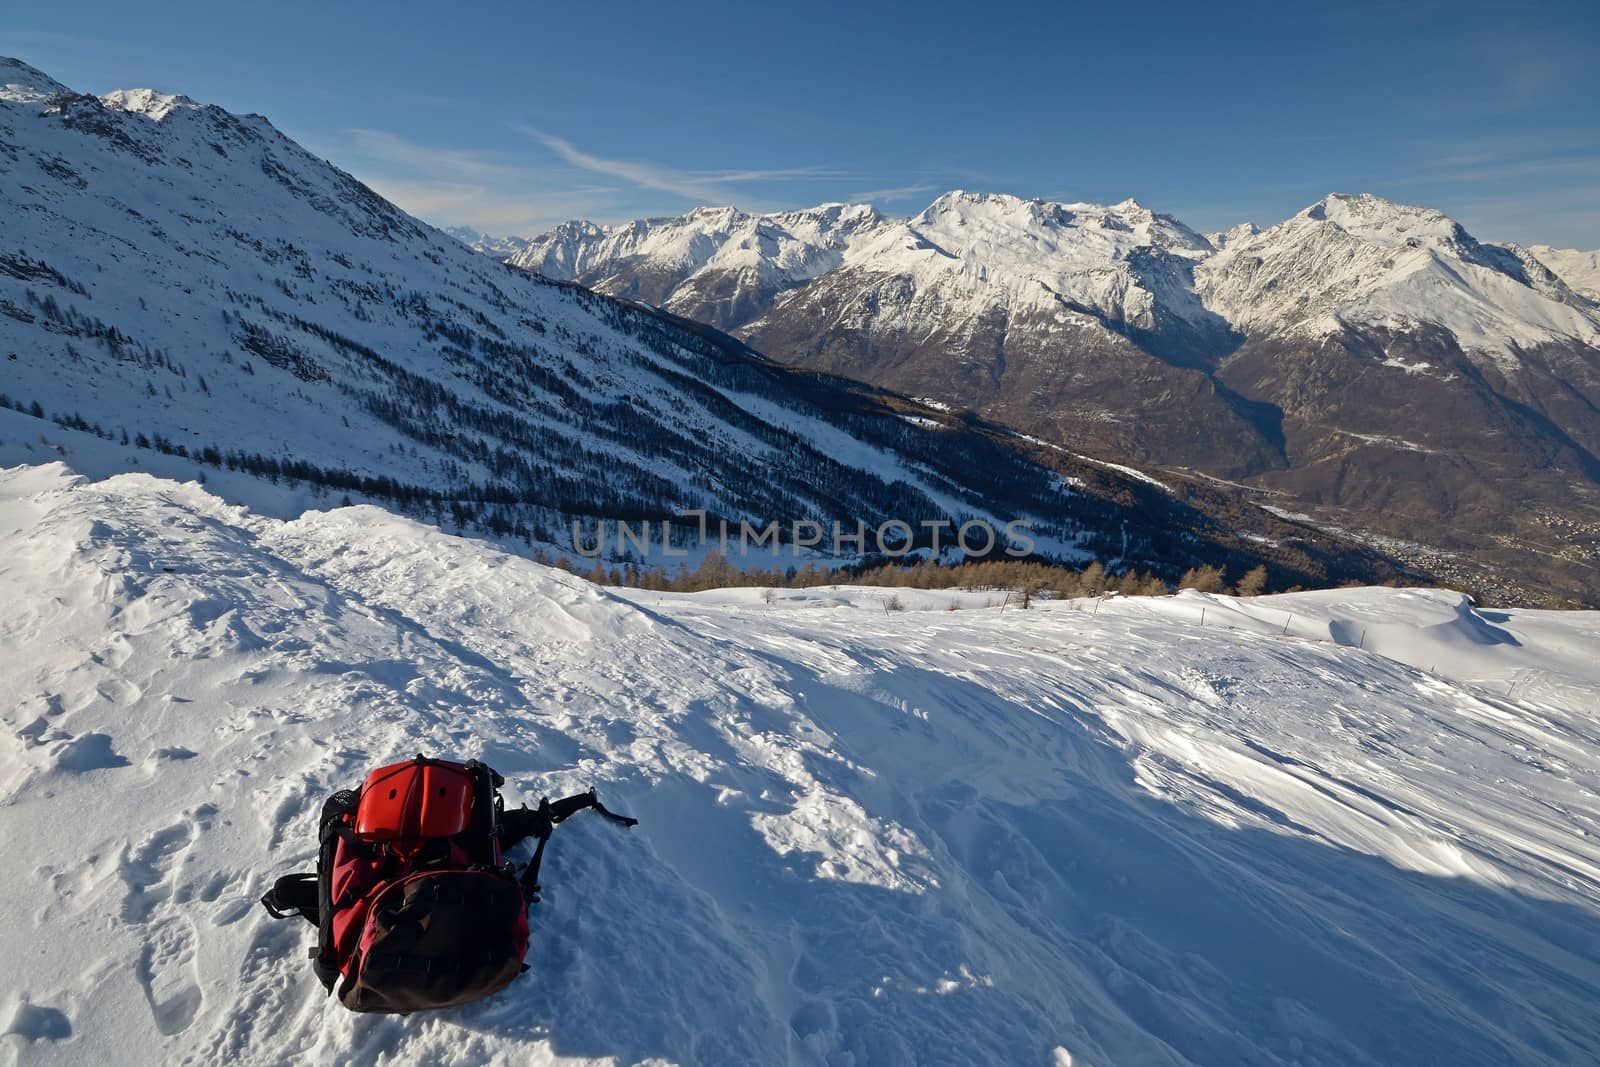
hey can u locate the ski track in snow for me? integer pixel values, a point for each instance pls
(1063, 835)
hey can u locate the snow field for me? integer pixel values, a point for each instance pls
(868, 836)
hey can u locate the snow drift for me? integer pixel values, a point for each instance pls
(1114, 836)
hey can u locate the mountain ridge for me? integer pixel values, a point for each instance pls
(1364, 217)
(1372, 359)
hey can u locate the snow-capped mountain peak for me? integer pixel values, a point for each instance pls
(969, 255)
(717, 216)
(147, 102)
(21, 83)
(488, 244)
(1008, 215)
(718, 264)
(957, 201)
(1579, 270)
(1346, 261)
(1356, 261)
(1220, 239)
(1372, 218)
(1029, 254)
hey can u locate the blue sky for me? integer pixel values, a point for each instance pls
(511, 117)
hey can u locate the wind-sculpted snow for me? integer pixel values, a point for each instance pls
(1188, 830)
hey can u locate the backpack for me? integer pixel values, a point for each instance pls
(414, 903)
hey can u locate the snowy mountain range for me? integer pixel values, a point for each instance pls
(1349, 263)
(717, 265)
(1580, 270)
(498, 247)
(1347, 260)
(1371, 359)
(187, 290)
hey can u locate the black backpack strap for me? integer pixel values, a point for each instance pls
(564, 809)
(530, 874)
(310, 896)
(541, 822)
(293, 894)
(301, 894)
(627, 821)
(331, 829)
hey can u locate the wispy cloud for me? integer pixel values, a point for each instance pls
(698, 186)
(511, 190)
(1529, 65)
(1565, 219)
(1549, 153)
(383, 146)
(1484, 171)
(891, 194)
(483, 208)
(526, 192)
(488, 191)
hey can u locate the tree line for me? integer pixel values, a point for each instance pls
(1026, 578)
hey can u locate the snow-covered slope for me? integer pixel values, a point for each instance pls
(189, 282)
(1188, 830)
(179, 275)
(1580, 270)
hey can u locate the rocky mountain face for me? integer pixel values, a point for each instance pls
(1427, 384)
(1370, 361)
(188, 290)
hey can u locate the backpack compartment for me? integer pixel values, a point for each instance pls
(436, 939)
(416, 799)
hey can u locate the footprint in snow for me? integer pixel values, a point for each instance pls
(168, 973)
(116, 653)
(231, 911)
(267, 1001)
(147, 870)
(71, 887)
(282, 816)
(33, 733)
